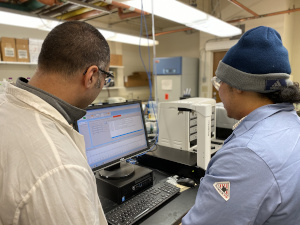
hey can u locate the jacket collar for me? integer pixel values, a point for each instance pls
(258, 115)
(68, 111)
(34, 101)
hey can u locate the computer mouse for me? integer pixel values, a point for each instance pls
(188, 182)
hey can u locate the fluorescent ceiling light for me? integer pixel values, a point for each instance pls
(20, 20)
(129, 39)
(187, 15)
(29, 21)
(107, 34)
(170, 9)
(216, 27)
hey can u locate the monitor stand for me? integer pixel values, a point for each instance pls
(117, 171)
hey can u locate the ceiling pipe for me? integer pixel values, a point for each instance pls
(84, 12)
(92, 13)
(237, 20)
(171, 31)
(123, 6)
(123, 15)
(83, 4)
(52, 2)
(255, 16)
(243, 7)
(113, 5)
(85, 15)
(62, 9)
(44, 9)
(110, 7)
(264, 15)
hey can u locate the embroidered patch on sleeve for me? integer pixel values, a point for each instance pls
(223, 188)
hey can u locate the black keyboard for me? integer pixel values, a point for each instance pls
(140, 205)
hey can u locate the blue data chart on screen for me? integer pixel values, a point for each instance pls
(111, 133)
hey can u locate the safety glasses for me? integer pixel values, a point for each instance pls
(108, 78)
(216, 82)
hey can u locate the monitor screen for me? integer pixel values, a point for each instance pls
(113, 132)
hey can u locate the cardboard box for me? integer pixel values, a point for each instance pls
(116, 60)
(137, 79)
(22, 46)
(8, 49)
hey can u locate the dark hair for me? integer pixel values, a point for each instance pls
(73, 46)
(289, 94)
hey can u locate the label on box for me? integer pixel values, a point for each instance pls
(22, 54)
(9, 52)
(35, 46)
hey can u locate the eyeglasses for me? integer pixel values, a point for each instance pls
(216, 82)
(109, 75)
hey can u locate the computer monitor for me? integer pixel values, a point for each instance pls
(112, 134)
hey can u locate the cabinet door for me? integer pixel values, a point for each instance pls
(169, 88)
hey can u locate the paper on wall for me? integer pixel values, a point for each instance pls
(166, 85)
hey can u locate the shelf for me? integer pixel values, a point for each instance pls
(111, 88)
(30, 63)
(111, 66)
(17, 63)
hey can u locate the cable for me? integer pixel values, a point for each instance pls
(148, 47)
(154, 72)
(44, 23)
(150, 149)
(143, 19)
(154, 53)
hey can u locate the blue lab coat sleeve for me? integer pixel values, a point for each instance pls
(253, 193)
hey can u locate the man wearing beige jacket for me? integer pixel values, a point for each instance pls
(44, 176)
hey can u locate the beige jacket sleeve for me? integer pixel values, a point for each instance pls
(64, 195)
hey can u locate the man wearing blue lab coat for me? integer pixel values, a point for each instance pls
(255, 177)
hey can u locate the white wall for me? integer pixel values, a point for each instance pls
(296, 48)
(293, 25)
(184, 44)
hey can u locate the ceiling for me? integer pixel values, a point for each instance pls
(116, 18)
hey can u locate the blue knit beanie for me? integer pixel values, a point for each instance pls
(258, 62)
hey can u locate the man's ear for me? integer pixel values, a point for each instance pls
(90, 77)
